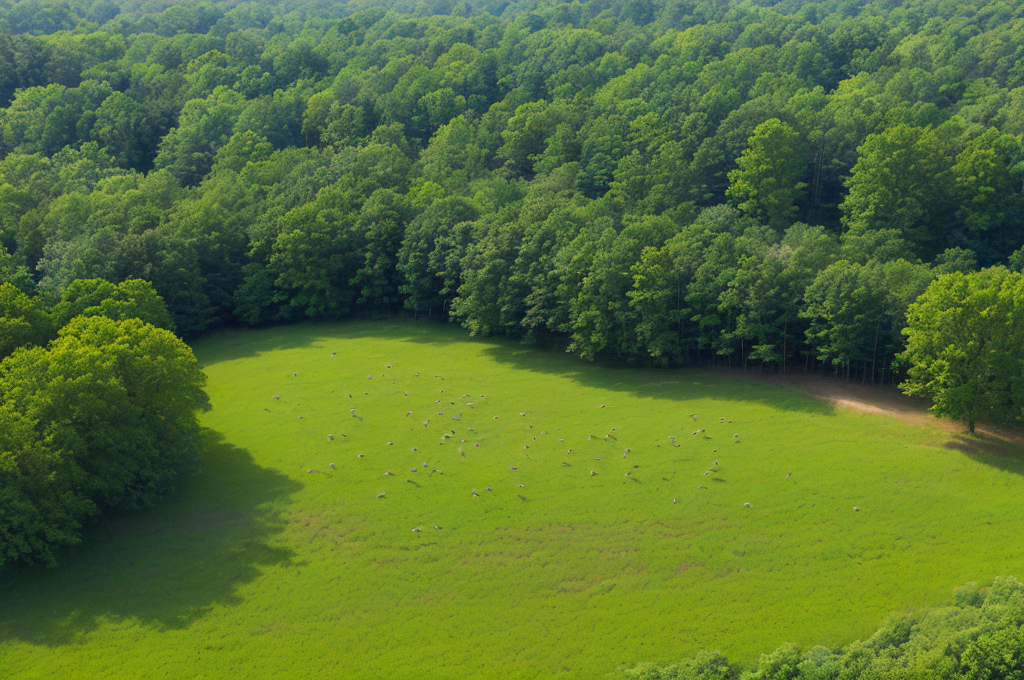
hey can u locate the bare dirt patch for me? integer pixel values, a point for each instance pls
(889, 401)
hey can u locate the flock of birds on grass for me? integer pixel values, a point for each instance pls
(451, 434)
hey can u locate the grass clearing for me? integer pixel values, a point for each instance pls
(261, 569)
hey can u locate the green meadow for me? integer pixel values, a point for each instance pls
(260, 568)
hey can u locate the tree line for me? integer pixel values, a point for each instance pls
(979, 637)
(769, 187)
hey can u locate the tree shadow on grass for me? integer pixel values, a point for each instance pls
(549, 358)
(998, 452)
(164, 568)
(231, 343)
(673, 384)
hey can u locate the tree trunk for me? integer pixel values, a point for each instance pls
(874, 352)
(785, 327)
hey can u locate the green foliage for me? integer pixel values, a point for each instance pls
(102, 419)
(507, 166)
(964, 339)
(981, 637)
(767, 181)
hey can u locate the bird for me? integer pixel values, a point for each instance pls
(628, 474)
(407, 394)
(310, 470)
(417, 375)
(673, 501)
(381, 494)
(389, 474)
(276, 397)
(856, 509)
(716, 463)
(389, 365)
(414, 470)
(332, 466)
(359, 456)
(416, 530)
(351, 410)
(701, 486)
(415, 449)
(513, 468)
(593, 474)
(523, 414)
(295, 374)
(369, 377)
(490, 489)
(332, 354)
(562, 439)
(602, 405)
(408, 413)
(525, 447)
(477, 444)
(627, 449)
(475, 493)
(736, 436)
(437, 527)
(330, 437)
(788, 474)
(746, 505)
(495, 417)
(694, 416)
(300, 417)
(425, 465)
(391, 443)
(520, 486)
(597, 459)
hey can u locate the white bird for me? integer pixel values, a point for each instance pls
(856, 509)
(788, 474)
(593, 474)
(408, 413)
(602, 405)
(276, 397)
(513, 468)
(416, 530)
(673, 501)
(520, 486)
(407, 394)
(736, 436)
(437, 527)
(391, 443)
(332, 466)
(351, 410)
(389, 474)
(381, 494)
(694, 416)
(332, 354)
(746, 505)
(359, 456)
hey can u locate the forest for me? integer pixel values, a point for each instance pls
(673, 183)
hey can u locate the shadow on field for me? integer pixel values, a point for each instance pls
(228, 344)
(648, 383)
(994, 451)
(165, 568)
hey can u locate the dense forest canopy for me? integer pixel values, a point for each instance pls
(672, 182)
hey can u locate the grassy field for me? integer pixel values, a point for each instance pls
(263, 569)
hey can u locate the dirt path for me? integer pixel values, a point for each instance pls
(890, 402)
